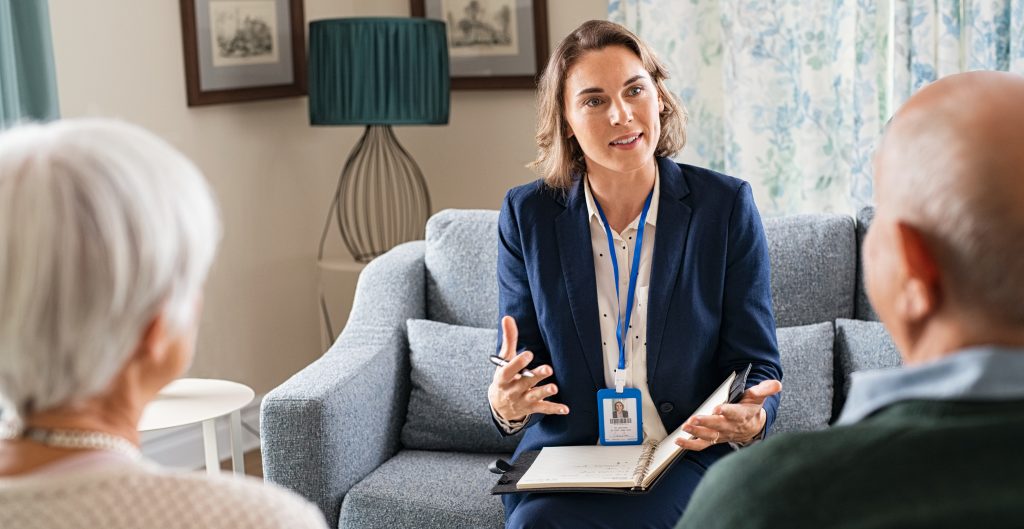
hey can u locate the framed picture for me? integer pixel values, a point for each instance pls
(241, 50)
(492, 44)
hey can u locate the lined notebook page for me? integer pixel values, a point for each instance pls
(667, 448)
(582, 466)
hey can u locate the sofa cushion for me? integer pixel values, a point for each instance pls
(462, 263)
(863, 309)
(860, 345)
(806, 400)
(426, 490)
(448, 407)
(813, 260)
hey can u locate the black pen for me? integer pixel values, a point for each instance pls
(501, 362)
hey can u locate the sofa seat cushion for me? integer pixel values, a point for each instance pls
(450, 373)
(860, 346)
(806, 400)
(426, 490)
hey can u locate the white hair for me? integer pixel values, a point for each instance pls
(103, 228)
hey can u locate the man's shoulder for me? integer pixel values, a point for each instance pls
(745, 487)
(787, 456)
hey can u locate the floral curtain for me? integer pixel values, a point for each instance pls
(792, 95)
(28, 88)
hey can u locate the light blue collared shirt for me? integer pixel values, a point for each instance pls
(986, 373)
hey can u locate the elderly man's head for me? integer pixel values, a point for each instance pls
(944, 257)
(106, 236)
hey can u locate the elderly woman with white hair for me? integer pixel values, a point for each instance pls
(106, 237)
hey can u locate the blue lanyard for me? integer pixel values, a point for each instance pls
(620, 325)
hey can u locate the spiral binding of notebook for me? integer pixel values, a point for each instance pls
(644, 463)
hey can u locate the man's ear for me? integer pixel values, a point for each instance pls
(921, 293)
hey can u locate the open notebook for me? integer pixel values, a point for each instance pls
(628, 469)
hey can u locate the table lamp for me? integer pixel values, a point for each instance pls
(378, 72)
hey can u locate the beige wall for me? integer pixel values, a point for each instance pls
(272, 172)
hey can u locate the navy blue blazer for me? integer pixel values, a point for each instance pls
(709, 308)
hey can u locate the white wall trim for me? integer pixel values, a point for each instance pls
(182, 447)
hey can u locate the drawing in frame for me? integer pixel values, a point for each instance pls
(492, 44)
(243, 50)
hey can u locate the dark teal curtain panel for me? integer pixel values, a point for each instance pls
(378, 71)
(28, 86)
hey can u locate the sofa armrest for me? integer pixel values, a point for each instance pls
(337, 420)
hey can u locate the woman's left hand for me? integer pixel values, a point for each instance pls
(731, 423)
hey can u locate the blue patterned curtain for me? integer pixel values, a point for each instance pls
(792, 95)
(28, 88)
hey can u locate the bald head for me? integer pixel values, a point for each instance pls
(951, 165)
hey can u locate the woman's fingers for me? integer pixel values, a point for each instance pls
(703, 432)
(510, 372)
(540, 393)
(693, 444)
(509, 337)
(540, 373)
(721, 423)
(549, 408)
(757, 394)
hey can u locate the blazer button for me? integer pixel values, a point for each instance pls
(666, 407)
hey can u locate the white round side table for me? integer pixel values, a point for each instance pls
(193, 400)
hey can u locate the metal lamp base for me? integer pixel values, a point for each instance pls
(381, 199)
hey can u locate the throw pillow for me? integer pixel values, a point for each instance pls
(806, 355)
(448, 407)
(860, 345)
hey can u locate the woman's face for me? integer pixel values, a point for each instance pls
(619, 406)
(612, 109)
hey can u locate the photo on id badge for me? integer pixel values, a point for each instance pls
(621, 423)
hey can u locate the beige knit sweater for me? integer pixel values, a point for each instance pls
(111, 492)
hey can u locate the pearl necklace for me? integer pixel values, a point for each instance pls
(83, 439)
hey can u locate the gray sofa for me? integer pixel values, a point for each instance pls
(390, 427)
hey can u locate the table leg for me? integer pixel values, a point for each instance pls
(210, 446)
(237, 460)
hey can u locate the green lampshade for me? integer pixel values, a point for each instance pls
(378, 71)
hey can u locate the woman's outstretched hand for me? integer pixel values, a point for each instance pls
(736, 423)
(514, 396)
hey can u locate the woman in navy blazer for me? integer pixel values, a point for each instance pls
(602, 100)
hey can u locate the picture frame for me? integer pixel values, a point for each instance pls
(495, 44)
(243, 50)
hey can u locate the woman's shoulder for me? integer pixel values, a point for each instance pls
(708, 180)
(536, 194)
(150, 496)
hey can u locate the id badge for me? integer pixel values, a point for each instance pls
(619, 416)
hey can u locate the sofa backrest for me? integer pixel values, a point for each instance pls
(816, 290)
(461, 258)
(813, 260)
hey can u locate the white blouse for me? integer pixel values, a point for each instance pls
(636, 338)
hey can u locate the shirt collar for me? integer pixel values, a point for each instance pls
(652, 213)
(976, 374)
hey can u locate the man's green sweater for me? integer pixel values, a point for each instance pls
(914, 464)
